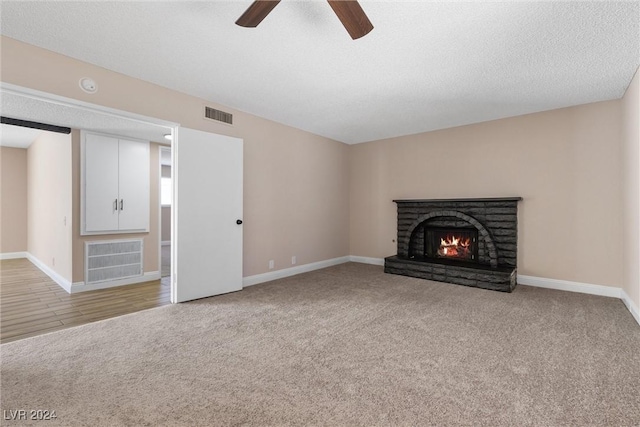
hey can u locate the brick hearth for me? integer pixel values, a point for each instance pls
(496, 220)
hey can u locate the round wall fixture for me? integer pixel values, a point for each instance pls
(88, 85)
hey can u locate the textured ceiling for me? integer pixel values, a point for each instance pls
(425, 66)
(28, 108)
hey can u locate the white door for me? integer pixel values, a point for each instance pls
(207, 254)
(101, 182)
(134, 185)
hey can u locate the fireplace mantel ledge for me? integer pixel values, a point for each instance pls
(485, 199)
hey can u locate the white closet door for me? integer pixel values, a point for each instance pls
(101, 183)
(208, 192)
(134, 185)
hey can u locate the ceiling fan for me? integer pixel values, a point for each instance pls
(349, 13)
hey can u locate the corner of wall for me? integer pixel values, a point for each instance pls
(49, 207)
(630, 136)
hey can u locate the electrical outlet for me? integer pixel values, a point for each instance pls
(293, 260)
(271, 264)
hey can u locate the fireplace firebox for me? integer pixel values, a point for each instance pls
(471, 242)
(457, 244)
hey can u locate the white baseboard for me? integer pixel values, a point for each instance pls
(565, 285)
(166, 243)
(146, 277)
(366, 260)
(64, 283)
(287, 272)
(542, 282)
(13, 255)
(584, 288)
(630, 305)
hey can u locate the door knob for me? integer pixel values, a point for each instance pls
(239, 221)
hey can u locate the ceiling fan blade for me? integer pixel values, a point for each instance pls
(352, 17)
(258, 10)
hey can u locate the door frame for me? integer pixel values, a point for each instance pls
(173, 127)
(164, 147)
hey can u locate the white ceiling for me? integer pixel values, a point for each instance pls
(426, 65)
(17, 136)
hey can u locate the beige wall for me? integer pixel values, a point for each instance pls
(296, 184)
(631, 188)
(49, 214)
(13, 200)
(151, 260)
(564, 163)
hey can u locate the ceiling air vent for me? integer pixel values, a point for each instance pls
(220, 116)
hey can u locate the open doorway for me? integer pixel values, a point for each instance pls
(45, 283)
(36, 203)
(199, 161)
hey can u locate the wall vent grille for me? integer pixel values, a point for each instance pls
(112, 260)
(217, 115)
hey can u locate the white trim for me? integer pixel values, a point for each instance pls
(174, 214)
(366, 260)
(630, 305)
(87, 106)
(565, 285)
(542, 282)
(286, 272)
(162, 243)
(584, 288)
(146, 277)
(88, 234)
(64, 283)
(13, 255)
(166, 243)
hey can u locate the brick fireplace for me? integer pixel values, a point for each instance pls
(471, 242)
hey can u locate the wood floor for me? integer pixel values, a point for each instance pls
(33, 304)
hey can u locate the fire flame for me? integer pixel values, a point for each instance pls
(454, 246)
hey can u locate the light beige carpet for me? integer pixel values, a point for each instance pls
(343, 346)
